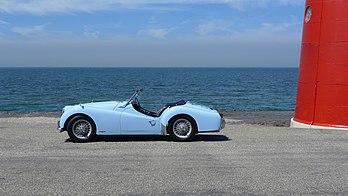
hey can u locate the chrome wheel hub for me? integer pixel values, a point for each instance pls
(182, 128)
(82, 129)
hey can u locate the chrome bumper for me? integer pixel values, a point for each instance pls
(223, 122)
(59, 128)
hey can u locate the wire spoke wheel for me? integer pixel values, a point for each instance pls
(182, 128)
(82, 129)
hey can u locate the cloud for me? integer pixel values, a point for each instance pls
(262, 32)
(242, 4)
(89, 33)
(4, 22)
(155, 32)
(152, 20)
(169, 53)
(27, 31)
(273, 31)
(3, 25)
(213, 27)
(40, 7)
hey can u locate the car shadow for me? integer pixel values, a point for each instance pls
(155, 138)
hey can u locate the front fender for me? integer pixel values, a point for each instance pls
(106, 121)
(67, 114)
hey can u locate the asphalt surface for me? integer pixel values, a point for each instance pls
(243, 159)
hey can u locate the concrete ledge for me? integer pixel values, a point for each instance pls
(296, 124)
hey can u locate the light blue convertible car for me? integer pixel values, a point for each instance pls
(181, 120)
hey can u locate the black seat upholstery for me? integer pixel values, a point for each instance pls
(181, 102)
(138, 108)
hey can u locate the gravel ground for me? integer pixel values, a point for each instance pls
(267, 118)
(244, 159)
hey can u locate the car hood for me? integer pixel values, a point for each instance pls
(104, 105)
(108, 105)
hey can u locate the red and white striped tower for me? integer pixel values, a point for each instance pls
(322, 96)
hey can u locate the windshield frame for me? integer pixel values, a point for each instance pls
(133, 97)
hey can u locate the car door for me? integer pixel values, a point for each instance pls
(136, 123)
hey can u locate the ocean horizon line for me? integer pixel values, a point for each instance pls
(150, 67)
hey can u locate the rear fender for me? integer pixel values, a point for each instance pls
(169, 113)
(205, 120)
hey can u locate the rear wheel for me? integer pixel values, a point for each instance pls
(182, 128)
(81, 129)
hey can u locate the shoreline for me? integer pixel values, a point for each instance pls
(266, 118)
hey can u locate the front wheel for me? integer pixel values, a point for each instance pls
(81, 129)
(182, 128)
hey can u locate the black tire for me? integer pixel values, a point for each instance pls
(81, 129)
(182, 128)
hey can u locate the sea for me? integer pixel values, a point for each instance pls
(50, 89)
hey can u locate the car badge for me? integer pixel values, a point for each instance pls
(152, 122)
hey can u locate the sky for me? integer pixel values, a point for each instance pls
(150, 33)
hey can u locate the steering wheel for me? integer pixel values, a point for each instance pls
(135, 102)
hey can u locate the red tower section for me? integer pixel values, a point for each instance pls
(322, 96)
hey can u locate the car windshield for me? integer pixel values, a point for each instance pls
(134, 97)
